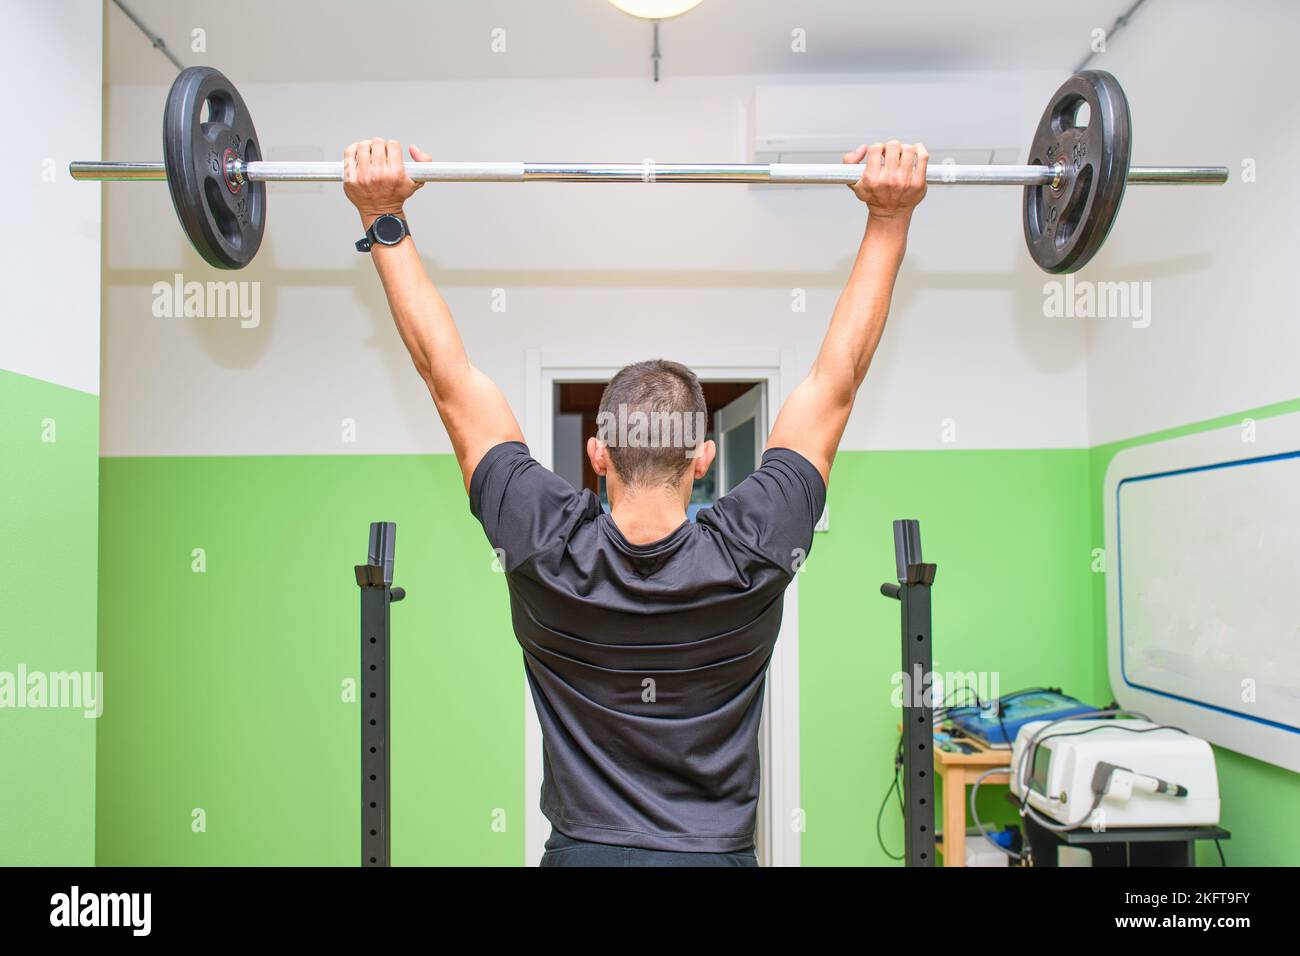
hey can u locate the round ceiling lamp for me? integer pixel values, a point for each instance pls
(656, 9)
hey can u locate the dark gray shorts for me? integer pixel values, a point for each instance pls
(564, 851)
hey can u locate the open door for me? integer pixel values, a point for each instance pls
(741, 430)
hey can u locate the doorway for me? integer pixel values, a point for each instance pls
(736, 417)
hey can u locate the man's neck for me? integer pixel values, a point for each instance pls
(647, 516)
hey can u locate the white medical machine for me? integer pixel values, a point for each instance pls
(1104, 773)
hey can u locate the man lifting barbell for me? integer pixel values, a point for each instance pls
(646, 637)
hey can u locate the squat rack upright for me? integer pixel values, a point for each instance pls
(912, 592)
(375, 578)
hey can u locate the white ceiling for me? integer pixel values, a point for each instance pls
(339, 40)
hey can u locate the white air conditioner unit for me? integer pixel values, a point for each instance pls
(972, 119)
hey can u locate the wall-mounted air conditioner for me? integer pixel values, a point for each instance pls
(971, 119)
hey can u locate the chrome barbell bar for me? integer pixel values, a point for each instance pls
(939, 174)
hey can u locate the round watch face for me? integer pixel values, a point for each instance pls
(388, 230)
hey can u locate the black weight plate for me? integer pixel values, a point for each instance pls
(1066, 225)
(224, 218)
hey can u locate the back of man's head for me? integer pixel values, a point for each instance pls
(652, 418)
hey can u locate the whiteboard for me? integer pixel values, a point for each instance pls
(1203, 585)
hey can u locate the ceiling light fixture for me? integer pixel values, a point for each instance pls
(656, 9)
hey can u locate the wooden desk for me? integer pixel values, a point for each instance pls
(956, 770)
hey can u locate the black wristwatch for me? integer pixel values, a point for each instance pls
(387, 230)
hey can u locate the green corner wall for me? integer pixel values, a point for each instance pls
(49, 473)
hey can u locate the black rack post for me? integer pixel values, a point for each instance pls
(375, 579)
(913, 593)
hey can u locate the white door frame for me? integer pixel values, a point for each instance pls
(778, 836)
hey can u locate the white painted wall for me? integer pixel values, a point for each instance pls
(51, 69)
(661, 270)
(1207, 83)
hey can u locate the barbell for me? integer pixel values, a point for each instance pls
(1074, 182)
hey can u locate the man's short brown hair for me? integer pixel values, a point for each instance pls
(652, 418)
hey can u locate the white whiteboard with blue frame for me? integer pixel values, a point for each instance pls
(1203, 584)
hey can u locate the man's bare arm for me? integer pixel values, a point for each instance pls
(813, 418)
(471, 406)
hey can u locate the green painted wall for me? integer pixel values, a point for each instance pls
(1256, 796)
(226, 686)
(1010, 533)
(49, 447)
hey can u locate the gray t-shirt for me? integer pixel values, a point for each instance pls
(647, 662)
